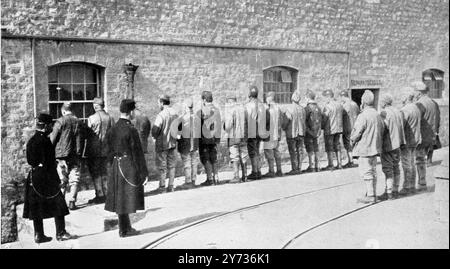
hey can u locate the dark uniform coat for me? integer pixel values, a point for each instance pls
(125, 191)
(43, 197)
(429, 126)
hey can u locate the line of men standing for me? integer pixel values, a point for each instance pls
(394, 135)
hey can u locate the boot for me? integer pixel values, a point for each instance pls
(208, 170)
(271, 172)
(254, 174)
(73, 196)
(339, 161)
(39, 236)
(125, 228)
(299, 161)
(236, 178)
(316, 162)
(61, 233)
(215, 174)
(258, 167)
(99, 195)
(244, 171)
(330, 166)
(171, 173)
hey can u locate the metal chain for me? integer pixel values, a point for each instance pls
(120, 170)
(38, 193)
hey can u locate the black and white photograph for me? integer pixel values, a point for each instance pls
(240, 125)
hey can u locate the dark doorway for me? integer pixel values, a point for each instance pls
(356, 95)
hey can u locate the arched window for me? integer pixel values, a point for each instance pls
(76, 82)
(434, 79)
(281, 80)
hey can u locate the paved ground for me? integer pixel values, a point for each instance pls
(405, 223)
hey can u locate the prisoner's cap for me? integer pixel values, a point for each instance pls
(44, 118)
(189, 102)
(386, 99)
(99, 101)
(311, 95)
(127, 105)
(232, 98)
(207, 96)
(344, 93)
(67, 106)
(253, 92)
(164, 97)
(270, 95)
(419, 86)
(409, 95)
(296, 97)
(367, 98)
(328, 93)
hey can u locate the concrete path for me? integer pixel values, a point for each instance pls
(267, 226)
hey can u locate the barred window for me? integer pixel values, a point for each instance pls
(281, 80)
(76, 82)
(434, 79)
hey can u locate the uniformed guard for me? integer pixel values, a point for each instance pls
(332, 122)
(43, 196)
(393, 139)
(294, 126)
(165, 143)
(313, 124)
(99, 123)
(437, 142)
(413, 137)
(271, 147)
(429, 129)
(128, 171)
(236, 128)
(366, 139)
(350, 113)
(258, 122)
(190, 130)
(210, 119)
(68, 141)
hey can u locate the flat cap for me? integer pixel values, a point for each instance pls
(270, 95)
(419, 86)
(386, 99)
(367, 97)
(310, 94)
(344, 93)
(207, 96)
(99, 101)
(67, 106)
(44, 118)
(296, 97)
(127, 105)
(164, 97)
(189, 103)
(253, 92)
(328, 93)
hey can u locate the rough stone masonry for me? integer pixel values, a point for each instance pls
(390, 41)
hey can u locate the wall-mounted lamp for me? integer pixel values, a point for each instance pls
(130, 72)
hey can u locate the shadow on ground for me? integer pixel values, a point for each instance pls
(178, 223)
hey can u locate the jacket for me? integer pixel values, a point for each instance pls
(143, 126)
(411, 123)
(189, 129)
(67, 137)
(350, 113)
(332, 118)
(429, 119)
(210, 120)
(313, 116)
(128, 166)
(367, 133)
(393, 135)
(294, 121)
(98, 123)
(43, 198)
(164, 129)
(258, 120)
(236, 125)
